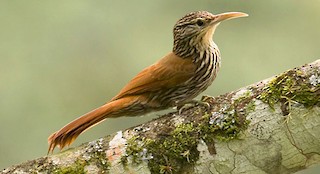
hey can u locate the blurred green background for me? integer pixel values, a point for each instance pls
(60, 59)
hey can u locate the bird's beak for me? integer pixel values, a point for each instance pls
(216, 19)
(229, 15)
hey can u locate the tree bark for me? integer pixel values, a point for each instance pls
(272, 126)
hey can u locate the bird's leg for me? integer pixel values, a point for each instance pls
(191, 104)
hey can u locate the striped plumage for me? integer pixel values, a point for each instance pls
(174, 80)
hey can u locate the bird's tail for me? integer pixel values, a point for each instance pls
(66, 135)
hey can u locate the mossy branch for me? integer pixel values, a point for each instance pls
(269, 127)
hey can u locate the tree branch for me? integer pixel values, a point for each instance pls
(269, 127)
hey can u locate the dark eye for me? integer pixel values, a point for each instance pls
(200, 22)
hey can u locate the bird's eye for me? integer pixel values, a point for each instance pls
(200, 22)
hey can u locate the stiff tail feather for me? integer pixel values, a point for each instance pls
(66, 135)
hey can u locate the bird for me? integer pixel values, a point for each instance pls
(173, 80)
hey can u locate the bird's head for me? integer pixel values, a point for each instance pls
(195, 30)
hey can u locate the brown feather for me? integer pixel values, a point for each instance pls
(66, 135)
(168, 72)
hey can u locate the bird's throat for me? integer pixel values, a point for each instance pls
(208, 35)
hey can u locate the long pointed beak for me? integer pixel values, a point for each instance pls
(229, 15)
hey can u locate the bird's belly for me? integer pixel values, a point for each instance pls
(182, 93)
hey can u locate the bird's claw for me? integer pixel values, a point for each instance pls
(193, 103)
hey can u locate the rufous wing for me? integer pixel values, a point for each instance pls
(168, 72)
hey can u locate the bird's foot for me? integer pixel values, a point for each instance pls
(192, 104)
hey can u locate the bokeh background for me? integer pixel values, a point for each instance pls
(60, 59)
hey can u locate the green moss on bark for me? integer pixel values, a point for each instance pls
(176, 151)
(76, 168)
(289, 88)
